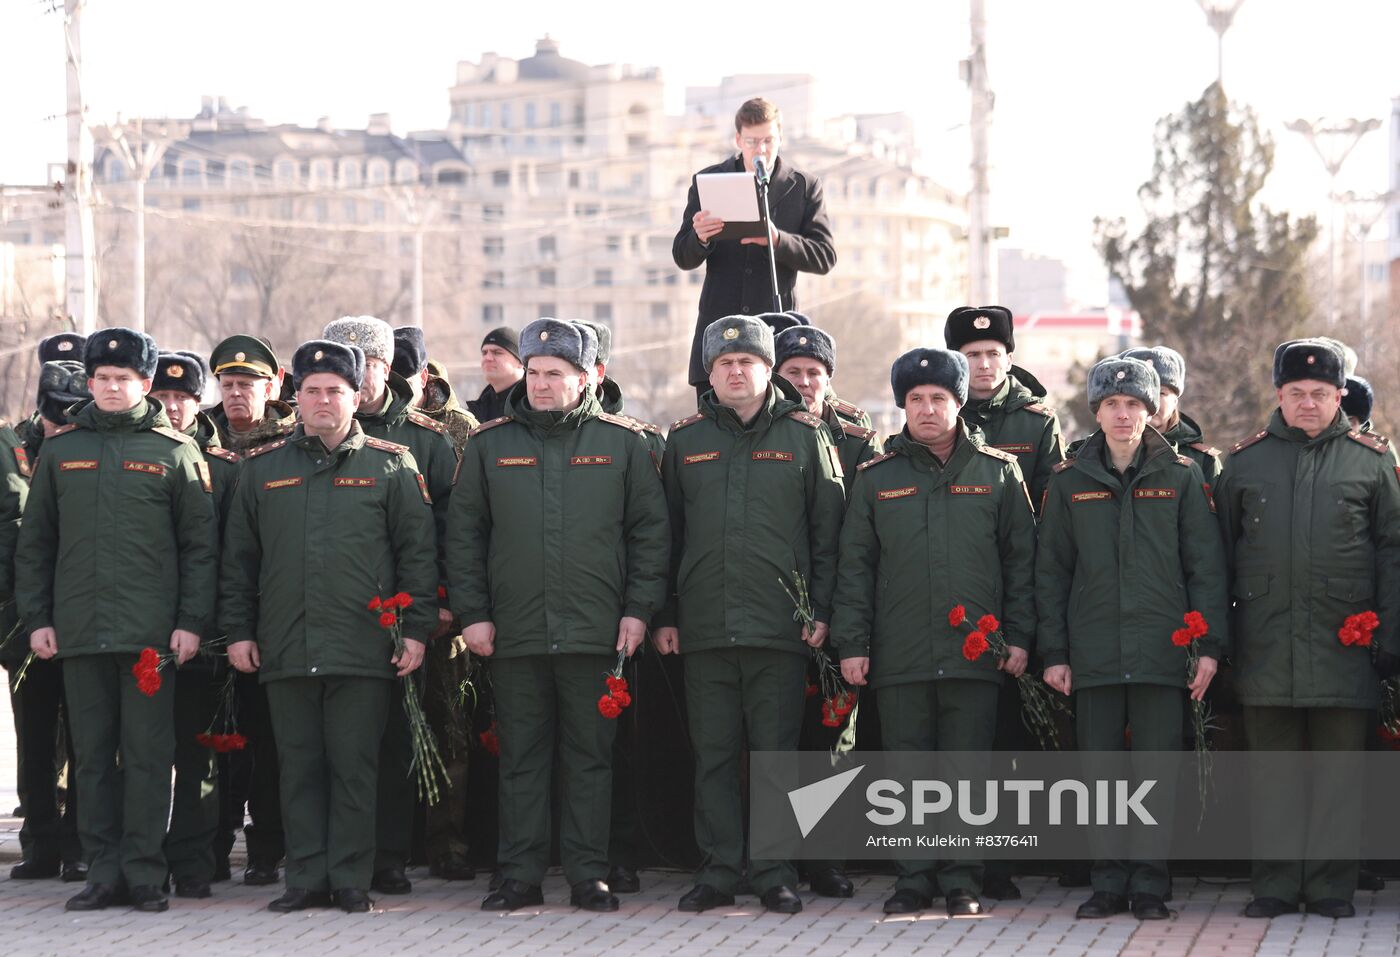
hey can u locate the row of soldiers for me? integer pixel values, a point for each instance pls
(769, 478)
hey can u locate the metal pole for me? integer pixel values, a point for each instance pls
(138, 259)
(772, 255)
(979, 257)
(80, 298)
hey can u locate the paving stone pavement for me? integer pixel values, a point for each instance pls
(444, 918)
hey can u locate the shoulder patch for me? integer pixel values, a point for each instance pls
(1206, 449)
(1242, 444)
(628, 423)
(1061, 466)
(64, 430)
(171, 434)
(806, 418)
(1185, 461)
(262, 449)
(688, 420)
(1039, 409)
(384, 445)
(1376, 443)
(996, 453)
(647, 426)
(423, 420)
(489, 425)
(843, 407)
(22, 462)
(875, 461)
(856, 432)
(224, 454)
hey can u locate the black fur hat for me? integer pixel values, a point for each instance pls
(806, 341)
(974, 323)
(61, 347)
(574, 343)
(410, 351)
(1118, 376)
(940, 367)
(1318, 359)
(1358, 399)
(322, 355)
(61, 383)
(179, 371)
(778, 321)
(123, 348)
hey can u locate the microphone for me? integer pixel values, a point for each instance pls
(760, 171)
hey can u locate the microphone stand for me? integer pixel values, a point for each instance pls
(772, 255)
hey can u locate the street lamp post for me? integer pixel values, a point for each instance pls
(1220, 14)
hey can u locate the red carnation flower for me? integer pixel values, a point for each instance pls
(957, 615)
(812, 690)
(844, 702)
(1196, 624)
(1181, 637)
(988, 624)
(374, 603)
(387, 619)
(206, 740)
(236, 742)
(442, 593)
(616, 684)
(609, 707)
(830, 717)
(622, 698)
(403, 599)
(491, 741)
(149, 659)
(974, 645)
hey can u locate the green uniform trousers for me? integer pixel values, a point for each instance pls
(1155, 714)
(194, 810)
(444, 825)
(542, 700)
(397, 799)
(952, 714)
(730, 692)
(125, 805)
(328, 734)
(1331, 801)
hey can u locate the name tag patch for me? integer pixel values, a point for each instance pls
(1154, 493)
(591, 460)
(701, 457)
(1091, 496)
(423, 487)
(516, 460)
(282, 483)
(769, 455)
(1018, 448)
(354, 483)
(885, 495)
(970, 489)
(150, 468)
(78, 465)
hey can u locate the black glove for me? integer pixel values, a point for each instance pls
(1386, 664)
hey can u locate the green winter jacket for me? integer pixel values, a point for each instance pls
(1312, 535)
(855, 444)
(1016, 420)
(557, 530)
(1118, 566)
(921, 538)
(750, 505)
(119, 545)
(312, 537)
(1185, 438)
(14, 489)
(609, 395)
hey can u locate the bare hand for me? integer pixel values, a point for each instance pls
(1015, 661)
(185, 644)
(444, 625)
(243, 655)
(706, 226)
(44, 642)
(854, 670)
(1205, 670)
(761, 240)
(667, 640)
(631, 632)
(410, 658)
(480, 638)
(1059, 678)
(816, 637)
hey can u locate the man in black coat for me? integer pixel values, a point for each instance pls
(737, 278)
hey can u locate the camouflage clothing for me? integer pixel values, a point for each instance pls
(439, 403)
(279, 420)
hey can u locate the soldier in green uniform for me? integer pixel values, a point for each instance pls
(556, 470)
(1178, 428)
(48, 838)
(250, 415)
(1310, 510)
(1127, 547)
(387, 411)
(117, 555)
(178, 386)
(755, 492)
(432, 393)
(324, 520)
(938, 521)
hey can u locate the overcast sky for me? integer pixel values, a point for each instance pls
(1079, 83)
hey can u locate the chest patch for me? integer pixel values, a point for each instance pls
(1154, 493)
(771, 455)
(884, 495)
(1091, 497)
(1016, 448)
(150, 468)
(512, 461)
(282, 483)
(701, 457)
(78, 465)
(970, 489)
(591, 460)
(354, 483)
(22, 462)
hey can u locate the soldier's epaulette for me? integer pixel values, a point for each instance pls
(688, 420)
(875, 461)
(1039, 409)
(856, 432)
(843, 407)
(1242, 444)
(647, 426)
(222, 453)
(384, 445)
(996, 453)
(64, 430)
(806, 418)
(1206, 449)
(423, 420)
(263, 449)
(627, 422)
(489, 425)
(1376, 443)
(1185, 461)
(171, 434)
(1061, 466)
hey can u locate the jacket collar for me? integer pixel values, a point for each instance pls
(964, 449)
(518, 408)
(781, 399)
(148, 414)
(1280, 429)
(1154, 455)
(355, 439)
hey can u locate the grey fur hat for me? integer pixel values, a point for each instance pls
(1318, 359)
(940, 367)
(574, 343)
(1119, 376)
(123, 348)
(61, 383)
(323, 355)
(805, 341)
(604, 335)
(1170, 366)
(738, 334)
(374, 337)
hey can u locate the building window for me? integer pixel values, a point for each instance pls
(547, 246)
(546, 277)
(653, 277)
(492, 313)
(349, 173)
(505, 116)
(636, 141)
(614, 244)
(500, 178)
(530, 116)
(493, 279)
(351, 212)
(322, 211)
(378, 211)
(602, 312)
(191, 171)
(321, 173)
(573, 179)
(661, 310)
(493, 246)
(378, 173)
(492, 212)
(486, 114)
(588, 210)
(114, 169)
(602, 277)
(547, 310)
(556, 115)
(240, 173)
(406, 171)
(189, 203)
(451, 177)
